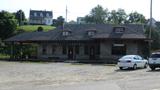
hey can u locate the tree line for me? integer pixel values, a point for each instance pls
(99, 15)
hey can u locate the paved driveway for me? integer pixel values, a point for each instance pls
(67, 76)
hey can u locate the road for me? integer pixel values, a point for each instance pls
(74, 76)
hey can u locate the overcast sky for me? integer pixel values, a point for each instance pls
(79, 8)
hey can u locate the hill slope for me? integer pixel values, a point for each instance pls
(31, 28)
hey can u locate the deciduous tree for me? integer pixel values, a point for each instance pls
(20, 16)
(8, 24)
(136, 18)
(117, 17)
(98, 15)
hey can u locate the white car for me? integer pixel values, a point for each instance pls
(132, 61)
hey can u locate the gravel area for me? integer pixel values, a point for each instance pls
(46, 76)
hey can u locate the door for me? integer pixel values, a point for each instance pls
(92, 52)
(139, 61)
(70, 52)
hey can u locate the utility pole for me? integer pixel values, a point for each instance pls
(66, 13)
(150, 20)
(150, 30)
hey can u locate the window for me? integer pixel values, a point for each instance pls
(64, 51)
(48, 21)
(44, 50)
(47, 14)
(118, 49)
(77, 49)
(41, 14)
(65, 33)
(155, 56)
(91, 33)
(86, 50)
(35, 14)
(119, 29)
(140, 58)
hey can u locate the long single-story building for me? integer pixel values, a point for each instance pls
(87, 42)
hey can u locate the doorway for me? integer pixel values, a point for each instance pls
(70, 52)
(92, 53)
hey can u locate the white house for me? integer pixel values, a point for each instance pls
(37, 17)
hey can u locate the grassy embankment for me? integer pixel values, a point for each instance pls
(31, 28)
(4, 56)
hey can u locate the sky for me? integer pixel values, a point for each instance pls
(80, 8)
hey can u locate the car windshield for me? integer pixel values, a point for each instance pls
(155, 56)
(127, 57)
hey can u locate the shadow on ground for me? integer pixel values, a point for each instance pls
(156, 70)
(94, 64)
(128, 70)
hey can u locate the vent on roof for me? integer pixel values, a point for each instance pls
(119, 29)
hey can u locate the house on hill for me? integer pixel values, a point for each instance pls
(40, 17)
(87, 42)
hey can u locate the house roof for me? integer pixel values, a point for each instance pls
(39, 12)
(79, 32)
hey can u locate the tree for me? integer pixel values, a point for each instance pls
(98, 15)
(8, 24)
(155, 36)
(20, 16)
(72, 22)
(117, 17)
(136, 18)
(58, 22)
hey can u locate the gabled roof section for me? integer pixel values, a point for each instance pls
(103, 31)
(39, 12)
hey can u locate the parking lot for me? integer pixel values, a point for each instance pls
(68, 76)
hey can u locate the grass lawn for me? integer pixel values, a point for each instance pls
(4, 56)
(31, 28)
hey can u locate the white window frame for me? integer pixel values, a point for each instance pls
(119, 30)
(91, 33)
(65, 33)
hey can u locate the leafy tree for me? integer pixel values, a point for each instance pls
(98, 15)
(8, 24)
(89, 19)
(20, 16)
(136, 18)
(72, 22)
(117, 17)
(58, 22)
(155, 36)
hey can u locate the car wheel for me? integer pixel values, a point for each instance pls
(152, 68)
(121, 68)
(145, 66)
(134, 67)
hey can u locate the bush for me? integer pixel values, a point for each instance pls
(40, 29)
